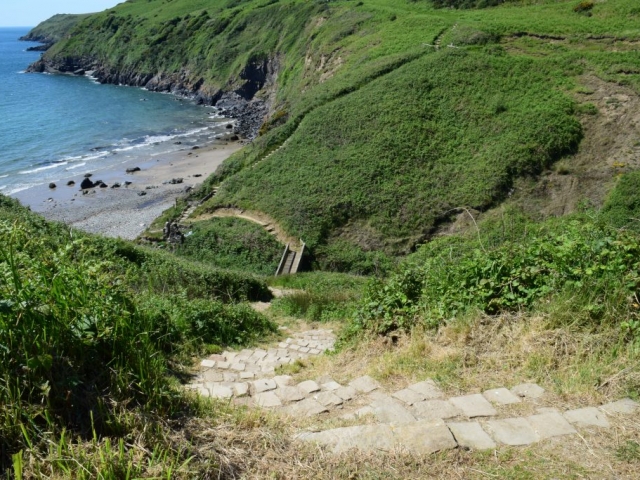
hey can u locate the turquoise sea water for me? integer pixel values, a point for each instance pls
(53, 126)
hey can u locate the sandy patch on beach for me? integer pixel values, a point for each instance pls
(123, 212)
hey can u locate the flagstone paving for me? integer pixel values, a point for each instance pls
(418, 419)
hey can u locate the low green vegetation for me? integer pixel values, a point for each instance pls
(396, 113)
(94, 332)
(55, 28)
(579, 267)
(319, 296)
(397, 116)
(622, 208)
(234, 244)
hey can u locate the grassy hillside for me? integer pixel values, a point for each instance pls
(95, 334)
(55, 28)
(396, 113)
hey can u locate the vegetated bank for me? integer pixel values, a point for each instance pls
(95, 335)
(367, 172)
(395, 114)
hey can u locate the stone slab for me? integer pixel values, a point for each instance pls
(528, 390)
(587, 417)
(346, 393)
(309, 386)
(305, 408)
(229, 376)
(262, 385)
(247, 375)
(366, 438)
(267, 400)
(471, 435)
(435, 409)
(408, 396)
(213, 376)
(512, 431)
(548, 425)
(328, 399)
(387, 410)
(208, 363)
(289, 394)
(238, 367)
(501, 396)
(283, 380)
(240, 389)
(423, 438)
(473, 406)
(330, 386)
(625, 406)
(364, 384)
(220, 391)
(428, 389)
(223, 365)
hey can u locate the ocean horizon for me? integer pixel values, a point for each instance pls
(55, 126)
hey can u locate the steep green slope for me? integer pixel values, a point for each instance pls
(396, 113)
(94, 332)
(448, 130)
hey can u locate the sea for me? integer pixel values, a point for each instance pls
(56, 126)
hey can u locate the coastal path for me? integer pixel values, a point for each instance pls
(419, 419)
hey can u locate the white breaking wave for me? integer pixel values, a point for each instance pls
(40, 169)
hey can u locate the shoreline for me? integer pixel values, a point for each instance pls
(127, 211)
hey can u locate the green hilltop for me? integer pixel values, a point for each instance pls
(452, 165)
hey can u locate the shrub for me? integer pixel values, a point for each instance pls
(452, 276)
(585, 6)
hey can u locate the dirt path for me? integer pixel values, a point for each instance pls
(262, 219)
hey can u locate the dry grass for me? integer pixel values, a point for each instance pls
(576, 368)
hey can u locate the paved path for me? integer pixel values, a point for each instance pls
(420, 418)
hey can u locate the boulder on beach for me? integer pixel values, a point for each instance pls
(70, 183)
(133, 169)
(197, 175)
(88, 175)
(86, 183)
(52, 185)
(127, 183)
(115, 185)
(173, 181)
(103, 185)
(228, 126)
(195, 147)
(142, 194)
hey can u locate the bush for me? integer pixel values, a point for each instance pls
(584, 6)
(452, 276)
(85, 341)
(622, 207)
(233, 244)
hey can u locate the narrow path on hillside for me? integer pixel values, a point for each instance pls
(262, 219)
(419, 419)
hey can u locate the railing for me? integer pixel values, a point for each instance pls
(282, 260)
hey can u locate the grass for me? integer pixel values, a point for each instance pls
(494, 109)
(95, 334)
(388, 137)
(55, 28)
(234, 244)
(318, 296)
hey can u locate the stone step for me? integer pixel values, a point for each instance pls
(428, 436)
